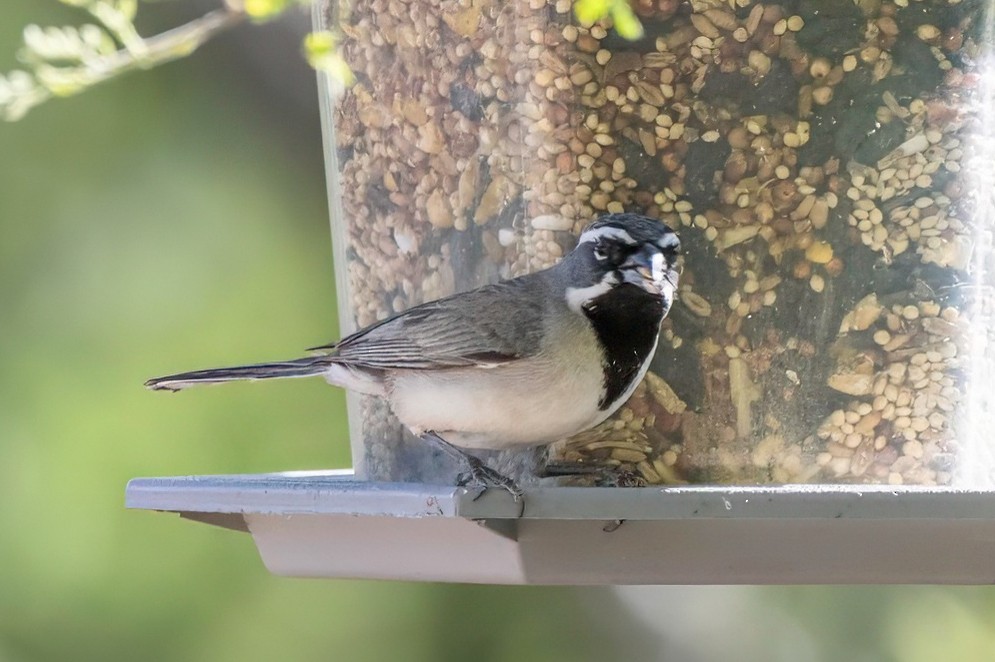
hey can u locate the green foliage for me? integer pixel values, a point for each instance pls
(264, 10)
(19, 92)
(63, 61)
(589, 12)
(321, 53)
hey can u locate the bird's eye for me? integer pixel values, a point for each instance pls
(611, 252)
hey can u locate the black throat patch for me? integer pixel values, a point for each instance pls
(627, 322)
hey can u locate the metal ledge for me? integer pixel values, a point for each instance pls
(328, 524)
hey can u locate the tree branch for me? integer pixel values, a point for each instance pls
(51, 80)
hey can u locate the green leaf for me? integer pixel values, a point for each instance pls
(588, 12)
(262, 10)
(97, 39)
(127, 8)
(62, 82)
(626, 22)
(321, 53)
(319, 44)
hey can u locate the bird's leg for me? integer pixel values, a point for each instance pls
(478, 473)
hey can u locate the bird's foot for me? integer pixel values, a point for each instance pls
(620, 478)
(481, 475)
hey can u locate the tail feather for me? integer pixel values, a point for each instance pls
(305, 367)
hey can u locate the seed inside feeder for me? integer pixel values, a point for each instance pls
(816, 158)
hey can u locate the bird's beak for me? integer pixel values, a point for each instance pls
(647, 268)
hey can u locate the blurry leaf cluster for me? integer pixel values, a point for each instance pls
(62, 61)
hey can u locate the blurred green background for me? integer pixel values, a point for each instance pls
(177, 219)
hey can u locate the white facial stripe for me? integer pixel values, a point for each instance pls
(668, 241)
(659, 267)
(608, 231)
(578, 296)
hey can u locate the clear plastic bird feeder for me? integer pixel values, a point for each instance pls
(830, 168)
(827, 163)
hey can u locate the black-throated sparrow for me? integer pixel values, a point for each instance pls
(520, 363)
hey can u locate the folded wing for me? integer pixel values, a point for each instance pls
(485, 327)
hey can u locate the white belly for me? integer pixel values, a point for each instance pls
(523, 403)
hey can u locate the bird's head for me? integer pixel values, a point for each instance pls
(623, 251)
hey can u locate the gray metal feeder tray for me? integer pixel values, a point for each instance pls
(327, 524)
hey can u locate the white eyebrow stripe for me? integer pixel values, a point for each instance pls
(669, 241)
(608, 231)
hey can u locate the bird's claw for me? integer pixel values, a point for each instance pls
(481, 475)
(620, 478)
